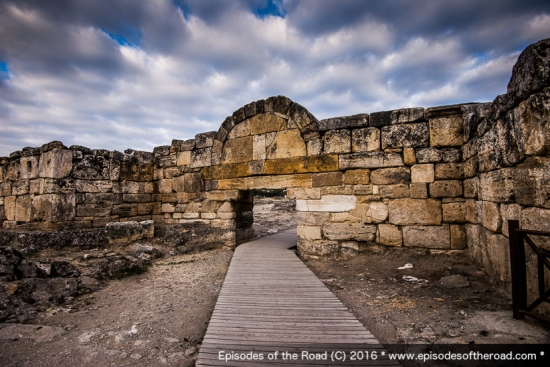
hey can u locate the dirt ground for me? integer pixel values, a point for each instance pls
(160, 317)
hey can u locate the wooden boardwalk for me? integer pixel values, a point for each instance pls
(271, 302)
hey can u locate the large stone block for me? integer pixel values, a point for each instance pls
(496, 255)
(23, 209)
(415, 211)
(328, 203)
(287, 144)
(193, 182)
(92, 167)
(389, 235)
(534, 115)
(489, 215)
(418, 190)
(458, 237)
(497, 186)
(93, 186)
(184, 158)
(349, 231)
(320, 163)
(201, 157)
(312, 218)
(532, 182)
(473, 241)
(238, 150)
(357, 176)
(370, 160)
(405, 136)
(309, 232)
(97, 210)
(5, 189)
(9, 207)
(447, 131)
(266, 122)
(20, 187)
(454, 212)
(422, 173)
(471, 187)
(509, 212)
(437, 155)
(446, 189)
(304, 193)
(136, 198)
(365, 140)
(401, 116)
(537, 219)
(125, 210)
(337, 141)
(438, 237)
(327, 179)
(56, 163)
(393, 191)
(388, 176)
(55, 207)
(409, 156)
(266, 182)
(359, 120)
(28, 168)
(449, 171)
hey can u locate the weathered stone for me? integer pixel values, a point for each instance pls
(532, 182)
(470, 167)
(446, 131)
(359, 120)
(93, 186)
(95, 210)
(204, 140)
(309, 232)
(387, 176)
(56, 207)
(401, 116)
(471, 188)
(193, 182)
(312, 218)
(496, 255)
(265, 123)
(422, 173)
(23, 209)
(509, 212)
(405, 136)
(314, 147)
(349, 231)
(437, 155)
(321, 163)
(287, 144)
(536, 219)
(418, 190)
(28, 168)
(489, 215)
(337, 141)
(415, 211)
(327, 179)
(304, 193)
(449, 171)
(427, 236)
(183, 158)
(446, 189)
(409, 156)
(328, 203)
(136, 198)
(370, 160)
(56, 163)
(201, 157)
(497, 186)
(365, 140)
(458, 237)
(20, 187)
(454, 212)
(394, 191)
(389, 235)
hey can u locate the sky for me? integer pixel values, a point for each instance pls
(118, 74)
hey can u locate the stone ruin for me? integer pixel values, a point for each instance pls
(444, 178)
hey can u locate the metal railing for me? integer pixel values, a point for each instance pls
(518, 237)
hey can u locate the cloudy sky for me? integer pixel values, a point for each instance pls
(120, 74)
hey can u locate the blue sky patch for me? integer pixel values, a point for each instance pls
(123, 41)
(4, 72)
(272, 7)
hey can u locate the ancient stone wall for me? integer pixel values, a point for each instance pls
(443, 178)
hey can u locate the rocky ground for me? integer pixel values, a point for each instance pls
(158, 318)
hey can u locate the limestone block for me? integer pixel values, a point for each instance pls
(318, 248)
(378, 211)
(224, 195)
(415, 211)
(359, 120)
(304, 193)
(359, 189)
(446, 189)
(418, 190)
(473, 241)
(356, 176)
(309, 232)
(401, 116)
(471, 167)
(394, 191)
(165, 186)
(319, 163)
(447, 131)
(99, 198)
(471, 187)
(123, 232)
(130, 187)
(240, 130)
(454, 212)
(183, 158)
(136, 198)
(178, 184)
(365, 140)
(490, 215)
(536, 219)
(449, 171)
(471, 210)
(496, 255)
(54, 207)
(409, 156)
(287, 144)
(389, 235)
(193, 182)
(328, 203)
(28, 168)
(258, 147)
(438, 237)
(327, 179)
(349, 231)
(458, 237)
(201, 157)
(23, 209)
(422, 173)
(56, 163)
(405, 136)
(346, 217)
(314, 146)
(278, 182)
(20, 187)
(312, 218)
(9, 207)
(168, 208)
(265, 123)
(145, 208)
(532, 182)
(497, 186)
(387, 176)
(204, 140)
(437, 155)
(509, 212)
(96, 210)
(533, 124)
(338, 190)
(370, 160)
(93, 185)
(5, 189)
(337, 141)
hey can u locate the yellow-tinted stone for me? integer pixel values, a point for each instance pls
(321, 163)
(265, 123)
(287, 144)
(237, 150)
(230, 170)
